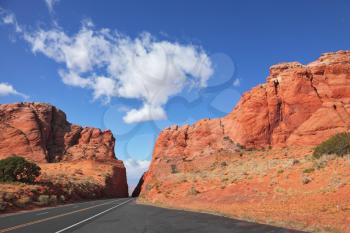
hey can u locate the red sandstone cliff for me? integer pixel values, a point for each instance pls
(204, 166)
(40, 132)
(298, 105)
(66, 152)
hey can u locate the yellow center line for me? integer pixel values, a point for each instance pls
(50, 218)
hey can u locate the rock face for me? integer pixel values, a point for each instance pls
(41, 133)
(299, 106)
(137, 189)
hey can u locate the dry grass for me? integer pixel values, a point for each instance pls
(285, 187)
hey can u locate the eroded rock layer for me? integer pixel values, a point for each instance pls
(41, 133)
(298, 105)
(261, 151)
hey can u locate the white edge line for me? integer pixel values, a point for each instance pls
(94, 216)
(42, 213)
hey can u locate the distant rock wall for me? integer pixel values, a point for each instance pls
(219, 165)
(41, 133)
(137, 189)
(298, 105)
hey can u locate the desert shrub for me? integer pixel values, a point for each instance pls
(280, 171)
(193, 191)
(240, 146)
(309, 170)
(338, 144)
(43, 200)
(16, 168)
(223, 164)
(306, 180)
(173, 169)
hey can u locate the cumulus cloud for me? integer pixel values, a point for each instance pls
(142, 68)
(135, 169)
(146, 113)
(7, 89)
(115, 65)
(50, 4)
(9, 18)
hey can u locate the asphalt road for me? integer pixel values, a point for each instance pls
(125, 216)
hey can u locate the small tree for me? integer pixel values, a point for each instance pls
(338, 144)
(16, 168)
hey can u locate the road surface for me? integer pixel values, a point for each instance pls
(125, 216)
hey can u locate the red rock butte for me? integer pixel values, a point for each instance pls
(298, 105)
(41, 133)
(256, 162)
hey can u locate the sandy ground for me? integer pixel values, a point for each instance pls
(284, 187)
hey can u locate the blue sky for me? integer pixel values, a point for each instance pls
(217, 50)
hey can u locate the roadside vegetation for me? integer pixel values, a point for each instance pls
(18, 169)
(338, 144)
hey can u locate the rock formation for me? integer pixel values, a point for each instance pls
(41, 133)
(298, 105)
(232, 164)
(137, 189)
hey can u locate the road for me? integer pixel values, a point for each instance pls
(125, 216)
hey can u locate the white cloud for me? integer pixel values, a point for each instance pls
(135, 169)
(115, 65)
(50, 4)
(237, 82)
(9, 18)
(7, 89)
(146, 113)
(73, 79)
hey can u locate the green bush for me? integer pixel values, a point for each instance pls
(309, 170)
(338, 144)
(16, 168)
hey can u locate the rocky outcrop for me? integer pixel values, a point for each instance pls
(233, 164)
(298, 105)
(41, 133)
(65, 182)
(137, 189)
